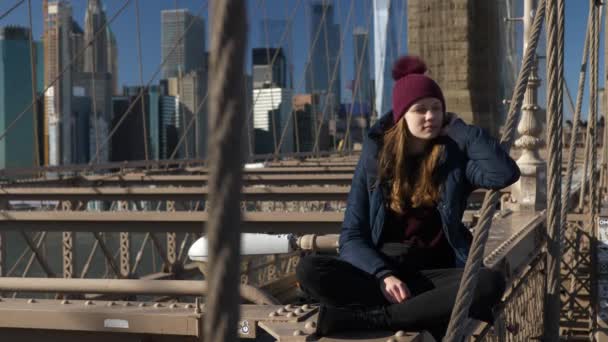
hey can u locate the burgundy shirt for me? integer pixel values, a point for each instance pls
(421, 228)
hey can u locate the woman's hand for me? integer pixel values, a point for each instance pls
(449, 120)
(394, 290)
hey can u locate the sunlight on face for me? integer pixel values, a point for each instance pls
(424, 118)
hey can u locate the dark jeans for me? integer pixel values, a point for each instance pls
(335, 282)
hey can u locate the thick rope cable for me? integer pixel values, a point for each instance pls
(470, 276)
(147, 85)
(226, 109)
(575, 121)
(593, 188)
(34, 81)
(592, 122)
(14, 7)
(60, 74)
(555, 14)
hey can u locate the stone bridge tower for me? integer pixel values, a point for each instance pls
(465, 45)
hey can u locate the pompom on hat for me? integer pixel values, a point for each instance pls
(412, 85)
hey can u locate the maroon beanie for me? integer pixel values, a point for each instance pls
(412, 85)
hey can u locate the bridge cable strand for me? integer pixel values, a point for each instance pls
(124, 115)
(575, 119)
(356, 88)
(555, 14)
(593, 188)
(226, 109)
(11, 9)
(141, 80)
(475, 258)
(60, 74)
(34, 81)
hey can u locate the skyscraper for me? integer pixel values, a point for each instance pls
(96, 54)
(385, 54)
(269, 67)
(17, 149)
(272, 102)
(97, 88)
(277, 33)
(323, 78)
(361, 81)
(188, 53)
(113, 60)
(58, 51)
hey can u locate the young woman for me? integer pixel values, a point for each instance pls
(403, 245)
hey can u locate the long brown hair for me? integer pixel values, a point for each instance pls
(410, 185)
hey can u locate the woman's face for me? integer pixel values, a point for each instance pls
(424, 118)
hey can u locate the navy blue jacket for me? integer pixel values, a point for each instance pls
(472, 159)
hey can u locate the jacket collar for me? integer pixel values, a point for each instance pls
(382, 125)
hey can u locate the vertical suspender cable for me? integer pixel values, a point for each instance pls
(576, 118)
(34, 81)
(470, 276)
(141, 81)
(226, 118)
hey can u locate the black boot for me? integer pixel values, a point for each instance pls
(338, 319)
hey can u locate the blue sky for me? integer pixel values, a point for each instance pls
(124, 28)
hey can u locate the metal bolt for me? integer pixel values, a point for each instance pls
(173, 306)
(111, 303)
(272, 314)
(88, 302)
(311, 325)
(400, 333)
(298, 333)
(291, 314)
(142, 305)
(188, 306)
(158, 305)
(281, 311)
(305, 307)
(31, 301)
(127, 304)
(65, 301)
(298, 311)
(288, 307)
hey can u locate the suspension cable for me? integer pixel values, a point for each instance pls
(470, 276)
(14, 7)
(555, 19)
(226, 109)
(141, 81)
(34, 81)
(575, 120)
